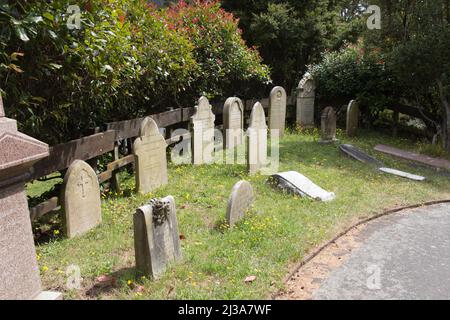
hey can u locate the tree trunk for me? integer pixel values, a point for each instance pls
(446, 115)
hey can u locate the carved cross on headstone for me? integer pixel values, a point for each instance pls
(82, 183)
(2, 111)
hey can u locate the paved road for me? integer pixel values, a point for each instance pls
(403, 256)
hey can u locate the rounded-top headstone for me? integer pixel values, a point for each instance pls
(258, 117)
(352, 118)
(233, 122)
(148, 127)
(240, 201)
(81, 199)
(277, 109)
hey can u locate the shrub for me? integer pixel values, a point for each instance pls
(227, 65)
(124, 62)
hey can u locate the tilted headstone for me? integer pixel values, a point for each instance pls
(202, 128)
(277, 110)
(156, 237)
(352, 118)
(305, 101)
(328, 126)
(296, 183)
(80, 199)
(19, 271)
(240, 201)
(257, 140)
(233, 122)
(150, 157)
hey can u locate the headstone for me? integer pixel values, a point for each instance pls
(297, 183)
(277, 110)
(233, 122)
(19, 271)
(156, 237)
(328, 126)
(305, 101)
(352, 118)
(241, 200)
(80, 199)
(150, 157)
(257, 140)
(202, 127)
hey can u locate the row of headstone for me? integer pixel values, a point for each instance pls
(19, 271)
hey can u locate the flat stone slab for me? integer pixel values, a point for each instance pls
(407, 155)
(357, 154)
(403, 256)
(402, 174)
(297, 183)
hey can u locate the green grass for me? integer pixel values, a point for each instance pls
(277, 234)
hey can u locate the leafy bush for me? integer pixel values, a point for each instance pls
(353, 73)
(125, 61)
(225, 61)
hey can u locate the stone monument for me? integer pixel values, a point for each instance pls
(202, 128)
(233, 122)
(277, 110)
(241, 200)
(150, 157)
(352, 118)
(19, 271)
(257, 140)
(156, 237)
(328, 126)
(305, 101)
(80, 199)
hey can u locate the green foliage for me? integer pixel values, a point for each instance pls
(351, 73)
(291, 34)
(124, 62)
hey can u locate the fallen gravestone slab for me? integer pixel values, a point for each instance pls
(402, 174)
(297, 183)
(406, 155)
(357, 154)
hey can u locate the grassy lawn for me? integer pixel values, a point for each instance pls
(276, 235)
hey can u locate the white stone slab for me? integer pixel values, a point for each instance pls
(306, 186)
(403, 174)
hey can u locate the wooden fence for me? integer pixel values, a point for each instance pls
(93, 146)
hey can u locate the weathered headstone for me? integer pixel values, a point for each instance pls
(156, 237)
(352, 118)
(19, 272)
(257, 140)
(240, 201)
(328, 126)
(296, 183)
(305, 101)
(233, 122)
(202, 127)
(277, 110)
(80, 199)
(150, 157)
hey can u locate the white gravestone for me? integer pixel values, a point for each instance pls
(277, 110)
(233, 122)
(202, 127)
(257, 140)
(150, 157)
